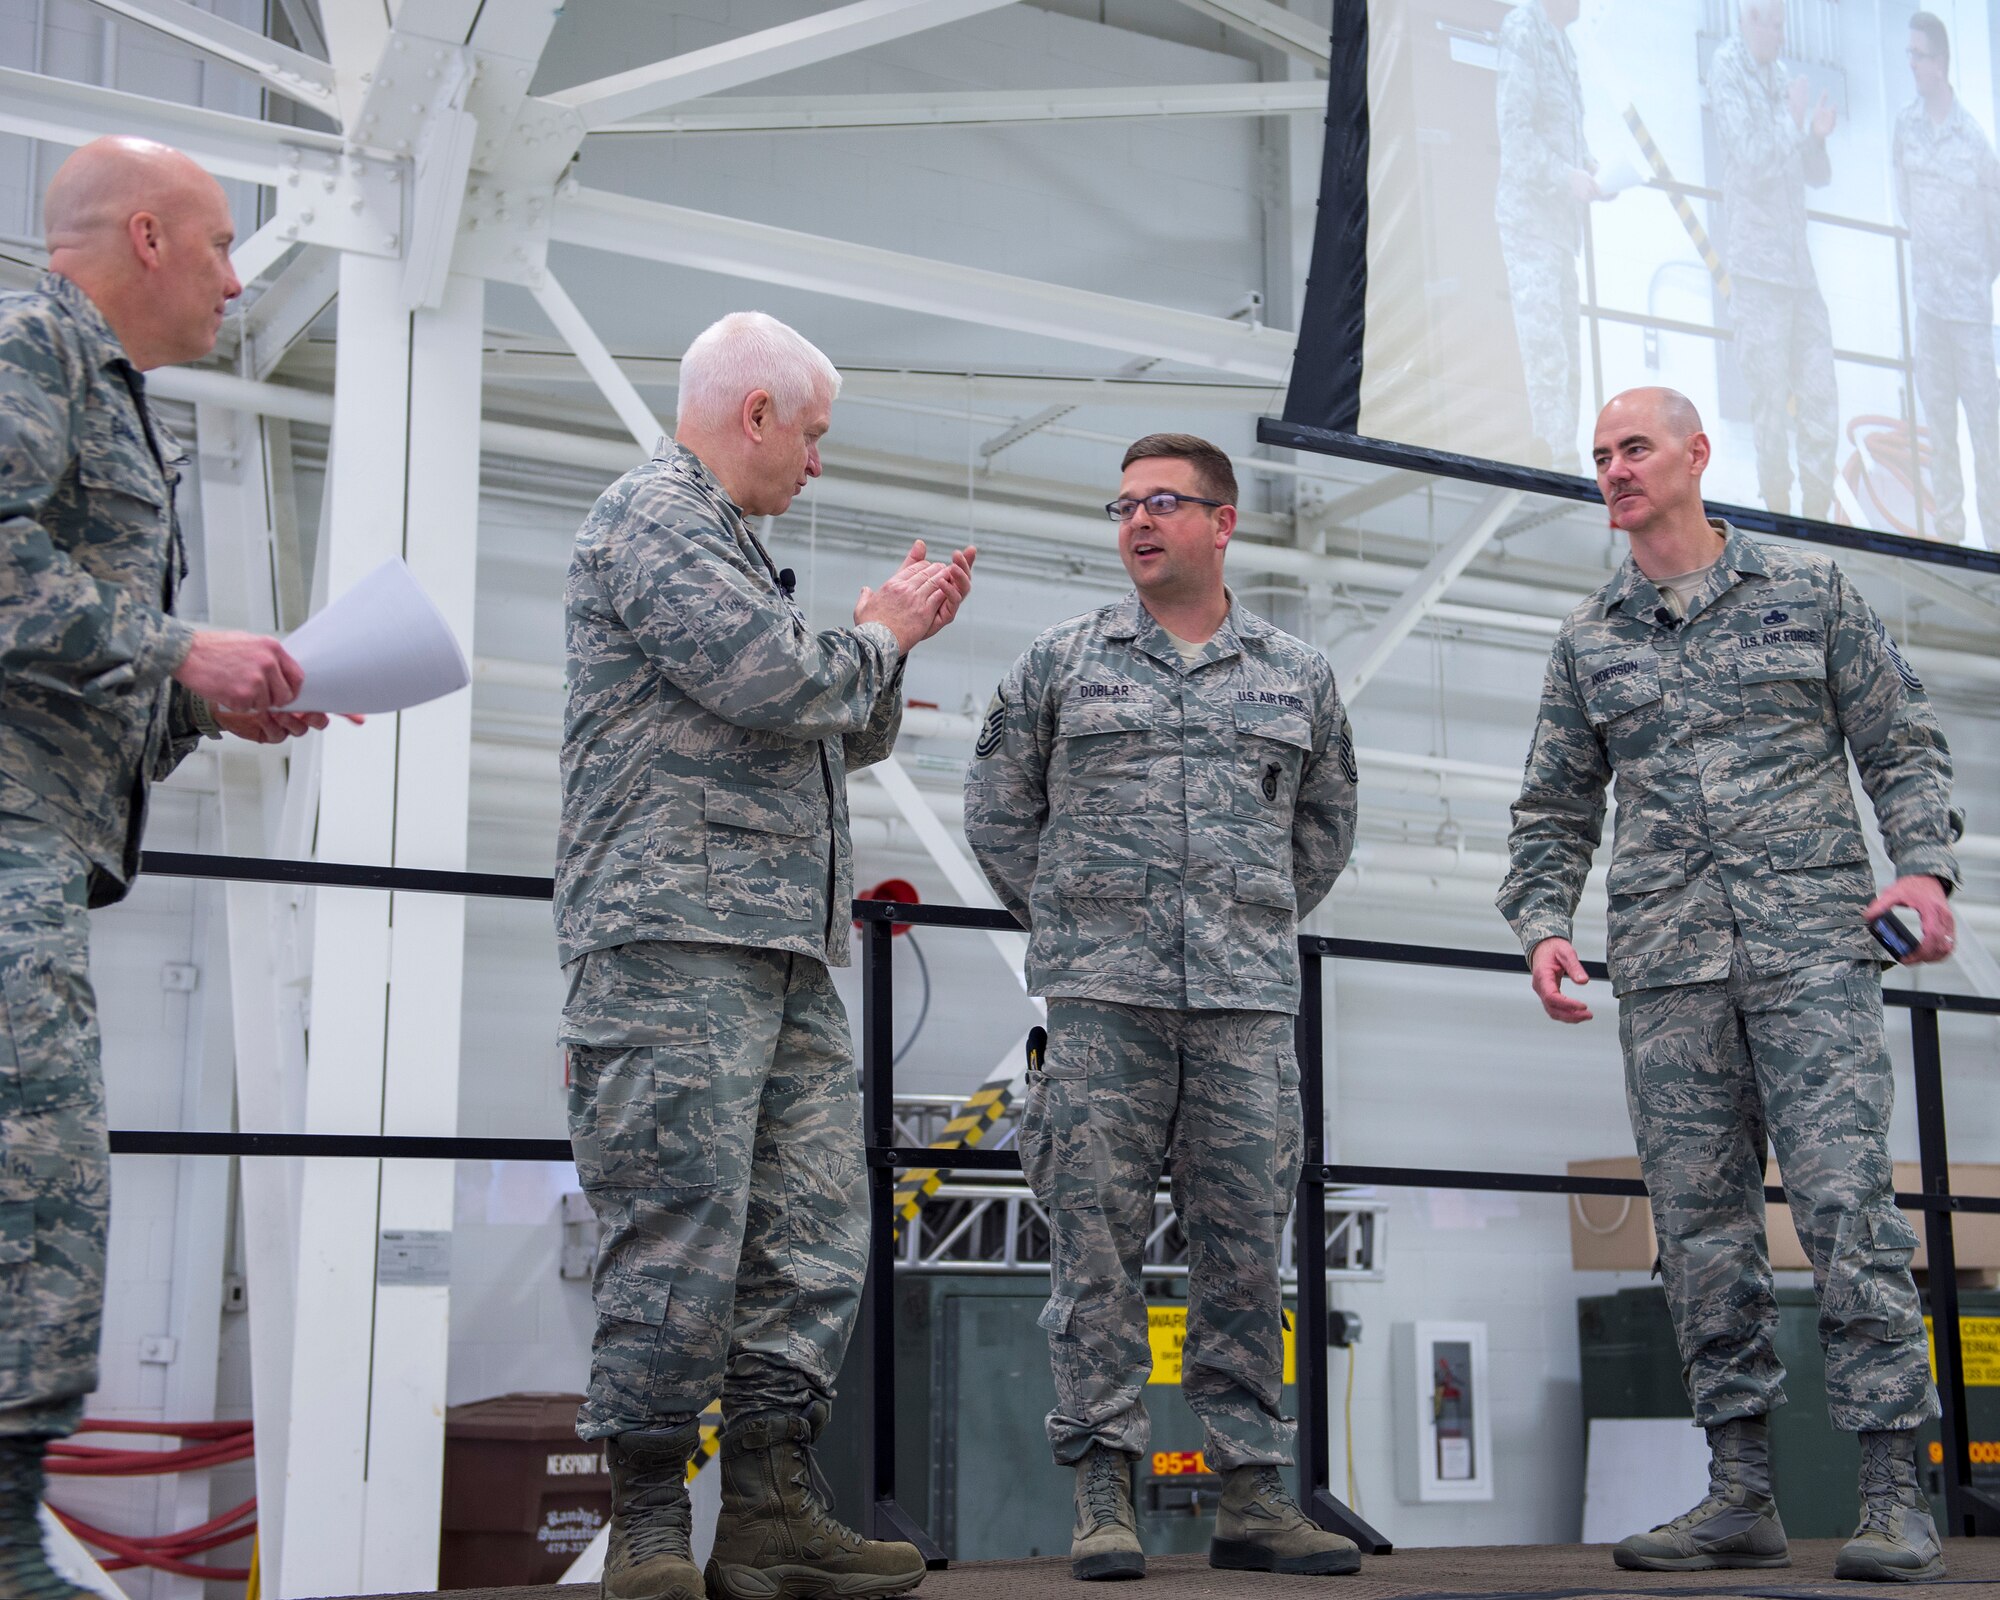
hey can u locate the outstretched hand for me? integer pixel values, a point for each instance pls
(1553, 961)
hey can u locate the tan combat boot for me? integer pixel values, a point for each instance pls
(1897, 1542)
(1260, 1528)
(778, 1537)
(1736, 1524)
(648, 1557)
(1104, 1543)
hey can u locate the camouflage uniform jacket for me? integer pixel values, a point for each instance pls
(1728, 736)
(1948, 192)
(709, 731)
(1768, 162)
(1540, 101)
(90, 564)
(1158, 827)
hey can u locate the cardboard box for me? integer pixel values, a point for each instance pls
(1611, 1233)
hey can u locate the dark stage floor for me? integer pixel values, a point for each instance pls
(1507, 1572)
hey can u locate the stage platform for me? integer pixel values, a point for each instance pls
(1503, 1572)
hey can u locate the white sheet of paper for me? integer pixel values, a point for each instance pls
(1619, 176)
(382, 646)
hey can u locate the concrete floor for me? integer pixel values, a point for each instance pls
(1509, 1572)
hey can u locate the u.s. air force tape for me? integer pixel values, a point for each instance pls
(989, 730)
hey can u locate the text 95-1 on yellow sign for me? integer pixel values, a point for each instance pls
(1166, 1330)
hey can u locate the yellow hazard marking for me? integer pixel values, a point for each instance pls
(1166, 1331)
(711, 1440)
(1690, 223)
(986, 1106)
(1979, 1342)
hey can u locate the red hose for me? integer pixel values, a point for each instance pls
(215, 1444)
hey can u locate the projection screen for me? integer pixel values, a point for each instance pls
(1787, 209)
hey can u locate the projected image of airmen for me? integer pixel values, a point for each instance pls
(1948, 192)
(1546, 184)
(1773, 148)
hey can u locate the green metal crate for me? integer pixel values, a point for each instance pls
(1631, 1368)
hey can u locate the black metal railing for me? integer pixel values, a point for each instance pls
(1968, 1510)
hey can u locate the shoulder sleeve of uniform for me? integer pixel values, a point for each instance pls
(1006, 786)
(1324, 815)
(1898, 744)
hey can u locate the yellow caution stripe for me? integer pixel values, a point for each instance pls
(987, 1105)
(1704, 246)
(711, 1440)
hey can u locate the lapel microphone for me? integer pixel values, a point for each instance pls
(788, 580)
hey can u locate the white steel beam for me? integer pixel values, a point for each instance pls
(1355, 666)
(279, 317)
(981, 107)
(259, 253)
(735, 62)
(678, 236)
(64, 112)
(599, 362)
(1271, 25)
(279, 68)
(357, 32)
(952, 859)
(232, 471)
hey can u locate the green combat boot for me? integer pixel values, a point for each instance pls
(1897, 1542)
(1104, 1543)
(1736, 1524)
(1260, 1528)
(648, 1557)
(777, 1536)
(25, 1573)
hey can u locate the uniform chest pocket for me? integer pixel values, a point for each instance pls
(1272, 741)
(1787, 681)
(1617, 683)
(1105, 746)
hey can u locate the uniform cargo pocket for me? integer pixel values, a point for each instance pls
(1642, 874)
(643, 1117)
(1260, 886)
(1055, 1315)
(1820, 877)
(763, 854)
(1868, 1285)
(48, 1026)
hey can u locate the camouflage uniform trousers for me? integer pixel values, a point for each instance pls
(1709, 1068)
(1122, 1088)
(1541, 279)
(716, 1118)
(1784, 347)
(54, 1156)
(1955, 367)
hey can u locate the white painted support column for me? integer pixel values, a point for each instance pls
(233, 472)
(365, 1460)
(1359, 663)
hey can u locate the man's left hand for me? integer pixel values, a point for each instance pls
(1923, 894)
(270, 727)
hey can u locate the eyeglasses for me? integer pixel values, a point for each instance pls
(1157, 505)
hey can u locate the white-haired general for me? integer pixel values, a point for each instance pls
(702, 893)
